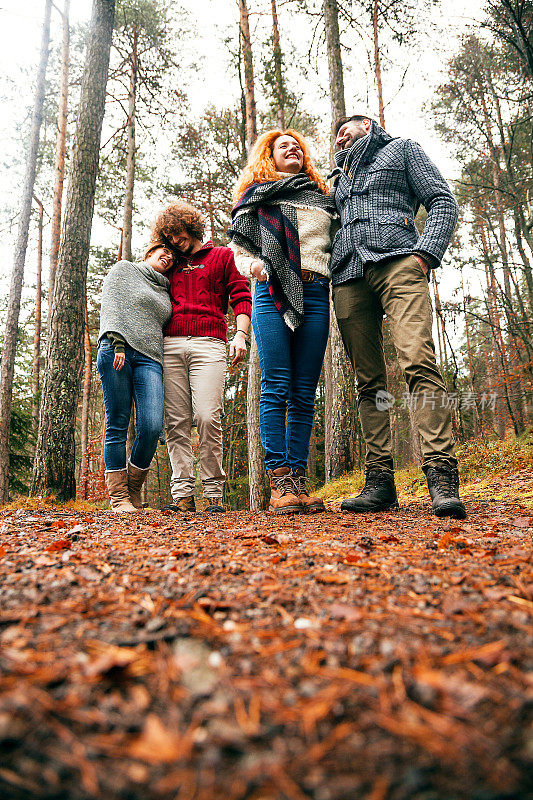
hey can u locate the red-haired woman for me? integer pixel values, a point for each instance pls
(281, 235)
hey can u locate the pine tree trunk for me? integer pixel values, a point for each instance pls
(130, 157)
(7, 366)
(61, 146)
(278, 68)
(249, 87)
(340, 403)
(377, 61)
(54, 468)
(35, 371)
(86, 396)
(256, 464)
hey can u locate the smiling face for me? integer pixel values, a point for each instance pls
(161, 259)
(287, 154)
(350, 132)
(184, 242)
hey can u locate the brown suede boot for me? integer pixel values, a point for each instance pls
(117, 486)
(282, 497)
(310, 505)
(136, 479)
(182, 504)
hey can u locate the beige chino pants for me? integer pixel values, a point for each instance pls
(194, 371)
(400, 290)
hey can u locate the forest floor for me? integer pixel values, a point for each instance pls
(245, 656)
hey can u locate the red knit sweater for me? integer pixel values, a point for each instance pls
(200, 296)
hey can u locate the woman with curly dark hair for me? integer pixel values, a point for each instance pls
(203, 281)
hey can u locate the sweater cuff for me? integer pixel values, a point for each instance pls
(243, 307)
(118, 341)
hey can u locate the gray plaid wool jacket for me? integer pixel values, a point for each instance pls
(379, 187)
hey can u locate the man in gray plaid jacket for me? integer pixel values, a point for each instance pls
(380, 265)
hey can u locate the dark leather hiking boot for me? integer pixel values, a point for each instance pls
(379, 494)
(309, 504)
(214, 505)
(443, 485)
(283, 499)
(183, 505)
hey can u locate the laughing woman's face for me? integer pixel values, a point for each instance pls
(161, 259)
(287, 154)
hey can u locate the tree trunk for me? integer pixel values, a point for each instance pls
(377, 62)
(249, 87)
(256, 463)
(7, 366)
(340, 405)
(61, 146)
(130, 157)
(35, 371)
(330, 12)
(54, 468)
(86, 396)
(278, 68)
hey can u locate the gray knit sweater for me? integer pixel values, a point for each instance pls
(136, 304)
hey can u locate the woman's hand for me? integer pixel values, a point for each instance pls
(237, 348)
(118, 361)
(258, 270)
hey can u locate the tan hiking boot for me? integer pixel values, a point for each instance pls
(183, 504)
(117, 486)
(310, 504)
(136, 479)
(282, 497)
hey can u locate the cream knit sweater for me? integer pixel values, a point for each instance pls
(315, 234)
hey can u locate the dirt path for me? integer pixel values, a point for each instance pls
(245, 656)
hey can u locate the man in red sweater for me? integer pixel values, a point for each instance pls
(203, 280)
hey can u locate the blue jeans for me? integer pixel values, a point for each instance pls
(290, 368)
(140, 379)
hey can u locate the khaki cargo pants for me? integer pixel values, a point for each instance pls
(194, 372)
(400, 290)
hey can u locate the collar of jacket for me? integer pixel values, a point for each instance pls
(196, 258)
(351, 159)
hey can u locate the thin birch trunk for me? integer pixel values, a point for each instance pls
(249, 86)
(35, 367)
(61, 147)
(130, 156)
(7, 366)
(340, 403)
(86, 397)
(278, 68)
(377, 62)
(256, 464)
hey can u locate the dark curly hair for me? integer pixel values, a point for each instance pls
(178, 217)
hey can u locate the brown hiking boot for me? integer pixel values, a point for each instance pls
(117, 486)
(310, 504)
(183, 504)
(283, 499)
(136, 479)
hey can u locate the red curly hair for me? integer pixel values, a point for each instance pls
(261, 167)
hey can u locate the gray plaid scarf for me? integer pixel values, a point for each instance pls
(264, 223)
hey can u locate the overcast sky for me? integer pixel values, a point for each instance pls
(20, 32)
